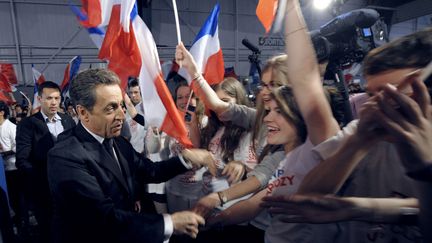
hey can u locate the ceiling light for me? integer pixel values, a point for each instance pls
(321, 4)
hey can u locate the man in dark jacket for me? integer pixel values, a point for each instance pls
(35, 136)
(96, 176)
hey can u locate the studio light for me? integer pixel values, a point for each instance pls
(321, 4)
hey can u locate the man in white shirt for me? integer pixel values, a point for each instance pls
(7, 151)
(36, 135)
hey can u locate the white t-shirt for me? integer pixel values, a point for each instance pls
(291, 173)
(7, 142)
(262, 221)
(244, 153)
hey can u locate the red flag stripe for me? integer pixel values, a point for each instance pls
(121, 49)
(214, 69)
(172, 118)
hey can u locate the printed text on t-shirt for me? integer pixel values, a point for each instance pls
(281, 181)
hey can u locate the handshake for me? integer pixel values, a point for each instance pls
(187, 222)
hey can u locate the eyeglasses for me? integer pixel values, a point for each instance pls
(270, 85)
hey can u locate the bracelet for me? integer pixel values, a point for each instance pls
(199, 80)
(289, 10)
(294, 31)
(196, 76)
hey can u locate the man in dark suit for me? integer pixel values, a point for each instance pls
(35, 136)
(95, 175)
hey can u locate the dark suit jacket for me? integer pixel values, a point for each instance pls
(93, 201)
(33, 140)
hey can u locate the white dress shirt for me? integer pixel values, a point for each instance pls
(54, 125)
(8, 143)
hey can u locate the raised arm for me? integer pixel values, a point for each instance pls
(130, 108)
(303, 73)
(200, 87)
(351, 145)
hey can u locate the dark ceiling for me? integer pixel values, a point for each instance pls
(388, 3)
(386, 8)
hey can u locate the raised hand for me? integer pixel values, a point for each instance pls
(369, 129)
(185, 59)
(409, 121)
(129, 106)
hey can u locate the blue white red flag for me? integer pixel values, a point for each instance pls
(207, 52)
(38, 78)
(71, 70)
(129, 47)
(92, 21)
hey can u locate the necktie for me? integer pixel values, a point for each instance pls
(108, 144)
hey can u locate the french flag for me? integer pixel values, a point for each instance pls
(207, 52)
(131, 51)
(38, 78)
(93, 21)
(71, 70)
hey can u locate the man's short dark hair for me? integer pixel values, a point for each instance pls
(82, 89)
(411, 51)
(133, 82)
(5, 108)
(47, 85)
(21, 115)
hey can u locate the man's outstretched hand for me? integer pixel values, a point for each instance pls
(187, 222)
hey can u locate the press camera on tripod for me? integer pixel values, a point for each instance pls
(346, 40)
(341, 42)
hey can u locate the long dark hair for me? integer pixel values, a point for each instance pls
(285, 99)
(287, 104)
(231, 137)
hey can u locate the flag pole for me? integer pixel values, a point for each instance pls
(189, 100)
(176, 21)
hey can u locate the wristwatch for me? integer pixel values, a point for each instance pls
(222, 198)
